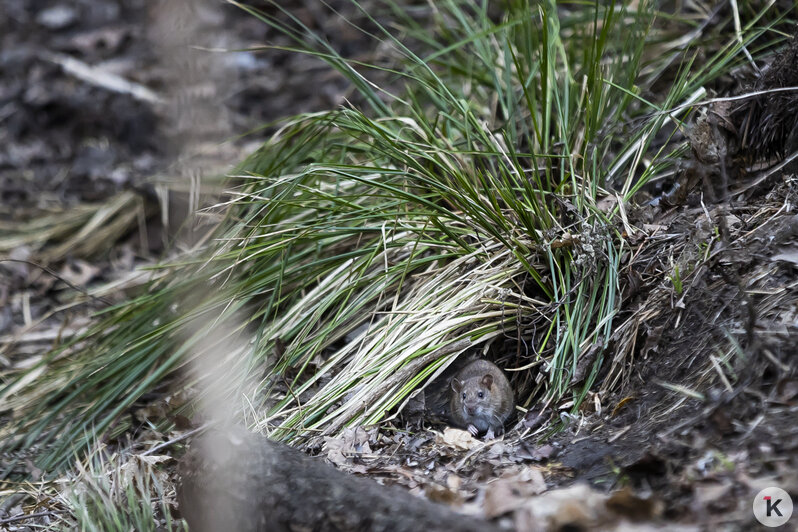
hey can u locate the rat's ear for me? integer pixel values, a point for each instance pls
(457, 385)
(487, 380)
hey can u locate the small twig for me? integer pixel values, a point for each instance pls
(766, 174)
(30, 516)
(12, 500)
(176, 440)
(51, 272)
(474, 450)
(101, 77)
(618, 434)
(730, 98)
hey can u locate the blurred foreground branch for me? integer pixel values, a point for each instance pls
(235, 480)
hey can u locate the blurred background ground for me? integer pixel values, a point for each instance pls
(67, 139)
(139, 102)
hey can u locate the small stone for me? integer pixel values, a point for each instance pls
(57, 17)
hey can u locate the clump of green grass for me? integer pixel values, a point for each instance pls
(112, 494)
(442, 216)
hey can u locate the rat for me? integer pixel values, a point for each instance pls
(481, 398)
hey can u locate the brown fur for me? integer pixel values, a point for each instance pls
(483, 414)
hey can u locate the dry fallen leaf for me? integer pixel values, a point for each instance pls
(352, 441)
(606, 203)
(462, 440)
(141, 464)
(78, 272)
(629, 504)
(513, 491)
(789, 254)
(708, 494)
(580, 507)
(535, 418)
(574, 508)
(443, 494)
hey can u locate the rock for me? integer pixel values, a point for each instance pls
(57, 17)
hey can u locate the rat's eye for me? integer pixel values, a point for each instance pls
(481, 395)
(464, 396)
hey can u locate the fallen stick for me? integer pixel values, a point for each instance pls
(236, 480)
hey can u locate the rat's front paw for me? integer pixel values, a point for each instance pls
(473, 430)
(489, 435)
